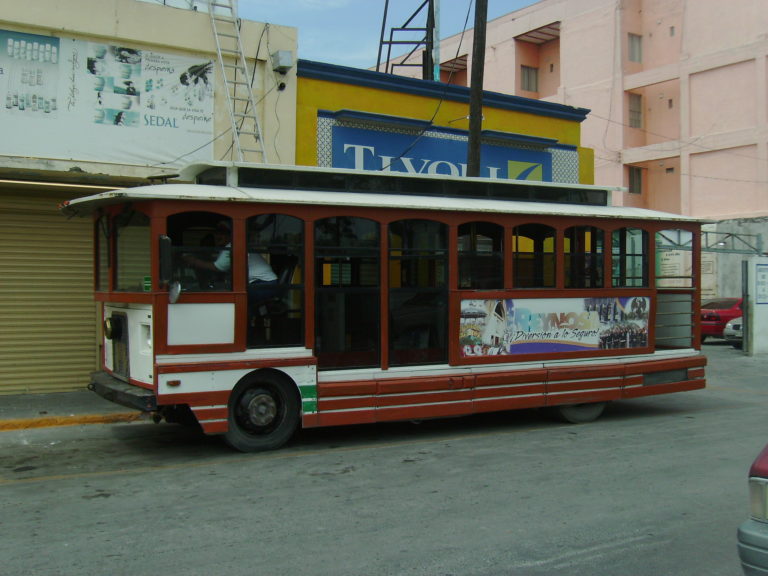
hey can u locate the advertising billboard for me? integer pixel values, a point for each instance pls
(63, 98)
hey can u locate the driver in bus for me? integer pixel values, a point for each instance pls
(261, 277)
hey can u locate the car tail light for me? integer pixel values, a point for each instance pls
(758, 503)
(710, 317)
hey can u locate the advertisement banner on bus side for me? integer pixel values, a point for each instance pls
(500, 327)
(74, 99)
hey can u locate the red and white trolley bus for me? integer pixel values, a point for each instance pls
(262, 298)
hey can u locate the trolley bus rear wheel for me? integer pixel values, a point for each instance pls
(579, 413)
(263, 414)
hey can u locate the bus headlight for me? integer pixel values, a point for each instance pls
(758, 503)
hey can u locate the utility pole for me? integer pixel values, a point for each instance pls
(476, 89)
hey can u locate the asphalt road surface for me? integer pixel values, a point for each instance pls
(656, 487)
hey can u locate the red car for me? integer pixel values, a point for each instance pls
(715, 314)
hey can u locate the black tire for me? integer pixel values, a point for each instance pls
(263, 413)
(579, 413)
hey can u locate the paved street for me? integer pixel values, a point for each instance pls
(655, 487)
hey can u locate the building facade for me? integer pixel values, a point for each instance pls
(677, 92)
(95, 96)
(351, 118)
(677, 89)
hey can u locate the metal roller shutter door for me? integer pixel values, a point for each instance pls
(47, 314)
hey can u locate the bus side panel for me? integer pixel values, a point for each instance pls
(510, 390)
(207, 392)
(429, 397)
(666, 376)
(381, 400)
(583, 385)
(442, 397)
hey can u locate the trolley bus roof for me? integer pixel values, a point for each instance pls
(206, 193)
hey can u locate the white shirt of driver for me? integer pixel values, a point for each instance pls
(258, 268)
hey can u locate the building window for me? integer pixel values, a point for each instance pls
(529, 78)
(635, 48)
(635, 110)
(635, 180)
(671, 30)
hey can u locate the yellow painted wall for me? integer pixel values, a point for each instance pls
(314, 95)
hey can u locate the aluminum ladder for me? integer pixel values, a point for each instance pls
(241, 103)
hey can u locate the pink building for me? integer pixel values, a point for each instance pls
(677, 89)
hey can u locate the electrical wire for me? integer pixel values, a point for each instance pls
(423, 131)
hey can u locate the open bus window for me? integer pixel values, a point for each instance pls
(584, 257)
(629, 250)
(132, 252)
(418, 299)
(481, 256)
(202, 251)
(275, 272)
(674, 259)
(533, 256)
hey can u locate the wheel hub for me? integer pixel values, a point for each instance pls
(261, 409)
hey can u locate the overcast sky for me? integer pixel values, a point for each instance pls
(347, 32)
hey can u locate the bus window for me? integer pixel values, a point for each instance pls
(133, 251)
(675, 279)
(481, 256)
(674, 259)
(533, 256)
(102, 253)
(347, 330)
(275, 244)
(584, 257)
(630, 258)
(418, 283)
(202, 251)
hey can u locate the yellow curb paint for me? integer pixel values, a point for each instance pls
(26, 423)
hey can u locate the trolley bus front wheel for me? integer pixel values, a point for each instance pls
(579, 413)
(263, 414)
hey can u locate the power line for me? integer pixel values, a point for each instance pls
(423, 131)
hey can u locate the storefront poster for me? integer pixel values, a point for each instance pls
(70, 99)
(500, 327)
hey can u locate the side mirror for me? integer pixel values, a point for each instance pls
(166, 260)
(174, 290)
(166, 269)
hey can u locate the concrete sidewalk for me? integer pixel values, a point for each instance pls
(20, 411)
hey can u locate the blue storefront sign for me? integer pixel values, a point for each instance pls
(433, 152)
